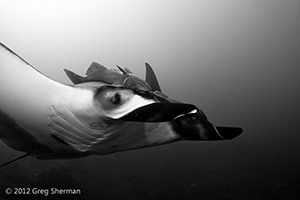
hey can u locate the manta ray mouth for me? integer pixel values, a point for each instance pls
(160, 112)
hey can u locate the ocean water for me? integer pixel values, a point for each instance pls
(236, 60)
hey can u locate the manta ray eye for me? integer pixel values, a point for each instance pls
(113, 98)
(116, 99)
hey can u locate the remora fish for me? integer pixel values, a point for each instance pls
(106, 111)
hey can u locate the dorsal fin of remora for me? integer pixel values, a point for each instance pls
(75, 78)
(125, 71)
(96, 72)
(95, 68)
(122, 76)
(122, 70)
(151, 78)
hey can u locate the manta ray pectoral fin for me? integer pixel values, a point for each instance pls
(151, 78)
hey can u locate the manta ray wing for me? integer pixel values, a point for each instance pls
(106, 111)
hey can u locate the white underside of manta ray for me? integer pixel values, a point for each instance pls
(104, 112)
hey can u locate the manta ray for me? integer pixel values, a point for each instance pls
(103, 112)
